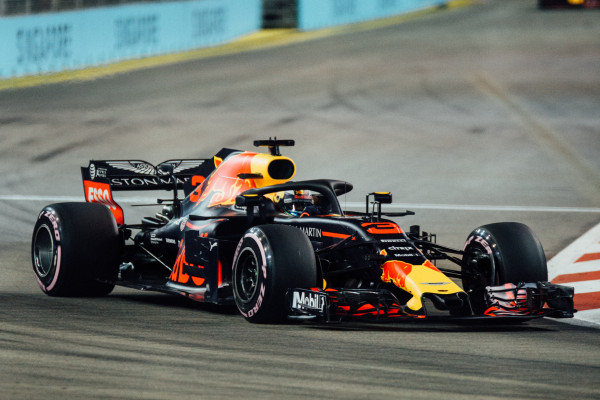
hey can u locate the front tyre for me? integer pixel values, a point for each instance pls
(495, 254)
(269, 260)
(75, 249)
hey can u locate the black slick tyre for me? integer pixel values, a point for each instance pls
(75, 249)
(269, 260)
(504, 252)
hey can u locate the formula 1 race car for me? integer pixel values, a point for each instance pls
(246, 234)
(545, 4)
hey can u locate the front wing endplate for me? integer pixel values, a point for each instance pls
(541, 298)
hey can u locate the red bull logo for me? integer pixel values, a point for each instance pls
(396, 272)
(178, 275)
(430, 265)
(417, 280)
(224, 184)
(240, 172)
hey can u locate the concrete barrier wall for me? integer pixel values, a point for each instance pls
(55, 42)
(316, 14)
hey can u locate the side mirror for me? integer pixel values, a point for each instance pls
(383, 197)
(379, 198)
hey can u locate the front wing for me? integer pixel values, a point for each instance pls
(519, 302)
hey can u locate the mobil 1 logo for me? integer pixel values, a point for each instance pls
(308, 301)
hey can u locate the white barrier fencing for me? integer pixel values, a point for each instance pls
(48, 36)
(53, 42)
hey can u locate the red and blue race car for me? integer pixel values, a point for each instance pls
(245, 233)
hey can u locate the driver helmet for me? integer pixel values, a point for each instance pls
(293, 202)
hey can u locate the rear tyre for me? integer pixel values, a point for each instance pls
(269, 260)
(75, 250)
(495, 254)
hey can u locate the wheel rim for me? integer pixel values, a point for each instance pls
(43, 251)
(478, 273)
(475, 276)
(246, 277)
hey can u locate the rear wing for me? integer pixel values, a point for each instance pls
(141, 175)
(102, 177)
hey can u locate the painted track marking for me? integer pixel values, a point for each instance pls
(578, 266)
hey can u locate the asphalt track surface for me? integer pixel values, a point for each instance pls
(488, 106)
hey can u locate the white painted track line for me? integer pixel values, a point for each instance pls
(578, 265)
